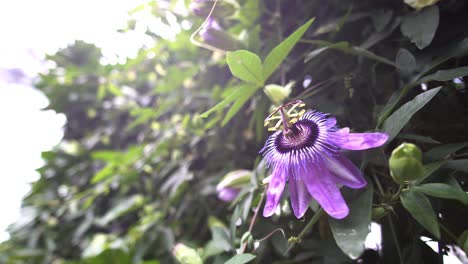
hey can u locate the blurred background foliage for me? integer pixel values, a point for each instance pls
(137, 169)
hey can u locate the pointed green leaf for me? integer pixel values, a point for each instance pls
(459, 165)
(346, 48)
(420, 26)
(443, 190)
(445, 75)
(280, 52)
(243, 95)
(350, 233)
(241, 259)
(246, 66)
(395, 122)
(441, 152)
(229, 99)
(421, 210)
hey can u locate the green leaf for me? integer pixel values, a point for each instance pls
(442, 190)
(346, 48)
(405, 61)
(246, 66)
(419, 138)
(420, 27)
(121, 208)
(243, 95)
(395, 122)
(280, 52)
(350, 233)
(445, 75)
(240, 259)
(429, 169)
(441, 152)
(459, 165)
(229, 99)
(421, 210)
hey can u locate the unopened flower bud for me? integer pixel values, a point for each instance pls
(231, 184)
(224, 8)
(214, 35)
(418, 4)
(406, 163)
(186, 255)
(277, 93)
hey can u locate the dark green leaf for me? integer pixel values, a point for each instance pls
(442, 190)
(418, 138)
(241, 259)
(421, 209)
(420, 26)
(246, 66)
(280, 52)
(346, 48)
(405, 61)
(459, 165)
(350, 233)
(395, 122)
(441, 152)
(429, 169)
(445, 75)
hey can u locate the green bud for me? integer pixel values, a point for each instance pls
(186, 255)
(277, 93)
(224, 8)
(406, 163)
(418, 4)
(378, 213)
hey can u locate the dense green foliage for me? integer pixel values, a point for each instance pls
(146, 142)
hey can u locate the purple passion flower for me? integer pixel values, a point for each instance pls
(309, 156)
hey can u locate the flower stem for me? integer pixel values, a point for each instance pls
(395, 238)
(306, 229)
(254, 217)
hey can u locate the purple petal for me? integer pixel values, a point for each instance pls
(274, 192)
(228, 194)
(323, 189)
(299, 196)
(358, 141)
(344, 172)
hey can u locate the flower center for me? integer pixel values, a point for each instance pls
(302, 134)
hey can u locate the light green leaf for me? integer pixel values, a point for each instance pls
(242, 96)
(350, 233)
(420, 27)
(395, 122)
(445, 75)
(280, 52)
(235, 93)
(459, 165)
(246, 66)
(443, 190)
(241, 259)
(421, 210)
(441, 152)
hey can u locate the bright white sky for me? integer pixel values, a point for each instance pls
(29, 29)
